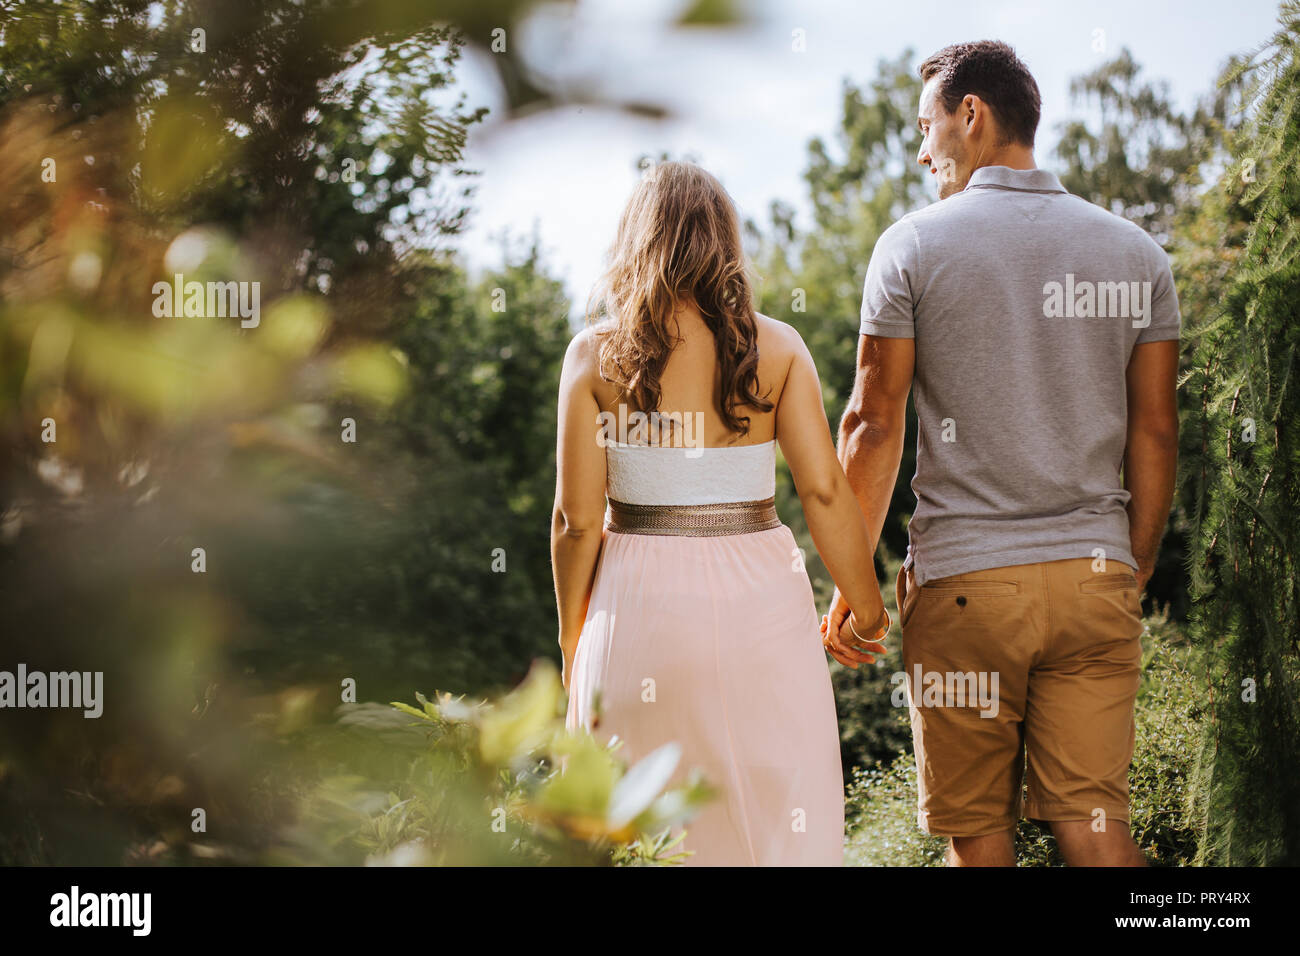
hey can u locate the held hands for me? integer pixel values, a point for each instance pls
(847, 639)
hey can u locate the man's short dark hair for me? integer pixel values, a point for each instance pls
(990, 70)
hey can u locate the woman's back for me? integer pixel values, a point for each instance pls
(691, 382)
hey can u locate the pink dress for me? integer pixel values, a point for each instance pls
(702, 630)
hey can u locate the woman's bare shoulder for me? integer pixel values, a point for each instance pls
(778, 342)
(780, 349)
(582, 361)
(584, 348)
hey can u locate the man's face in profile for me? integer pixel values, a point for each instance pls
(943, 146)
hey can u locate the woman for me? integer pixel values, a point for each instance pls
(686, 615)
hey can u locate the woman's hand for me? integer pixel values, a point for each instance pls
(568, 650)
(840, 640)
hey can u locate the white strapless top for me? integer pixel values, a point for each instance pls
(657, 475)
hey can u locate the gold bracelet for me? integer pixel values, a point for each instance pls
(881, 632)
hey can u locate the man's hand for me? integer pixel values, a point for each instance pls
(1144, 571)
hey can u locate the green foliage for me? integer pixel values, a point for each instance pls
(1141, 159)
(475, 439)
(252, 133)
(1170, 718)
(1246, 481)
(487, 788)
(880, 818)
(326, 560)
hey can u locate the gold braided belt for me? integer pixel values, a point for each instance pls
(697, 521)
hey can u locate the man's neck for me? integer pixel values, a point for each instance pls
(1013, 157)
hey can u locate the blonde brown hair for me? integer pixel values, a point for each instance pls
(678, 241)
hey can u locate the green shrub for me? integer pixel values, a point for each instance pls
(481, 784)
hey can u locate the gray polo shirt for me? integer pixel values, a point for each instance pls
(1025, 303)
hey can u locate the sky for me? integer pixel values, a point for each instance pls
(744, 102)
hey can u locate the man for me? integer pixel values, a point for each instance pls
(1040, 335)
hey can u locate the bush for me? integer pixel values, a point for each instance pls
(453, 783)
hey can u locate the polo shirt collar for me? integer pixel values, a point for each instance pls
(1026, 180)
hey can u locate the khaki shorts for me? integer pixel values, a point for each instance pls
(1026, 673)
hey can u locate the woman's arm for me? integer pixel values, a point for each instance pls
(838, 527)
(578, 519)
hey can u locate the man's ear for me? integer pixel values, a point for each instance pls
(975, 111)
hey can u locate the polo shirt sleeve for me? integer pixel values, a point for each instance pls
(1165, 318)
(892, 275)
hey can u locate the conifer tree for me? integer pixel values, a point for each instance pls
(1245, 561)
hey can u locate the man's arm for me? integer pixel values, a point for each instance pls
(871, 431)
(871, 434)
(1151, 451)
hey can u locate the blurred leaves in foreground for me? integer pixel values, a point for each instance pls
(493, 783)
(231, 516)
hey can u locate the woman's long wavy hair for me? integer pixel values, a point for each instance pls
(678, 242)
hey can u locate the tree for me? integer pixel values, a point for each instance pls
(1245, 562)
(233, 524)
(1137, 162)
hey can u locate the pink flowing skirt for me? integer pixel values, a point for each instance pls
(713, 642)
